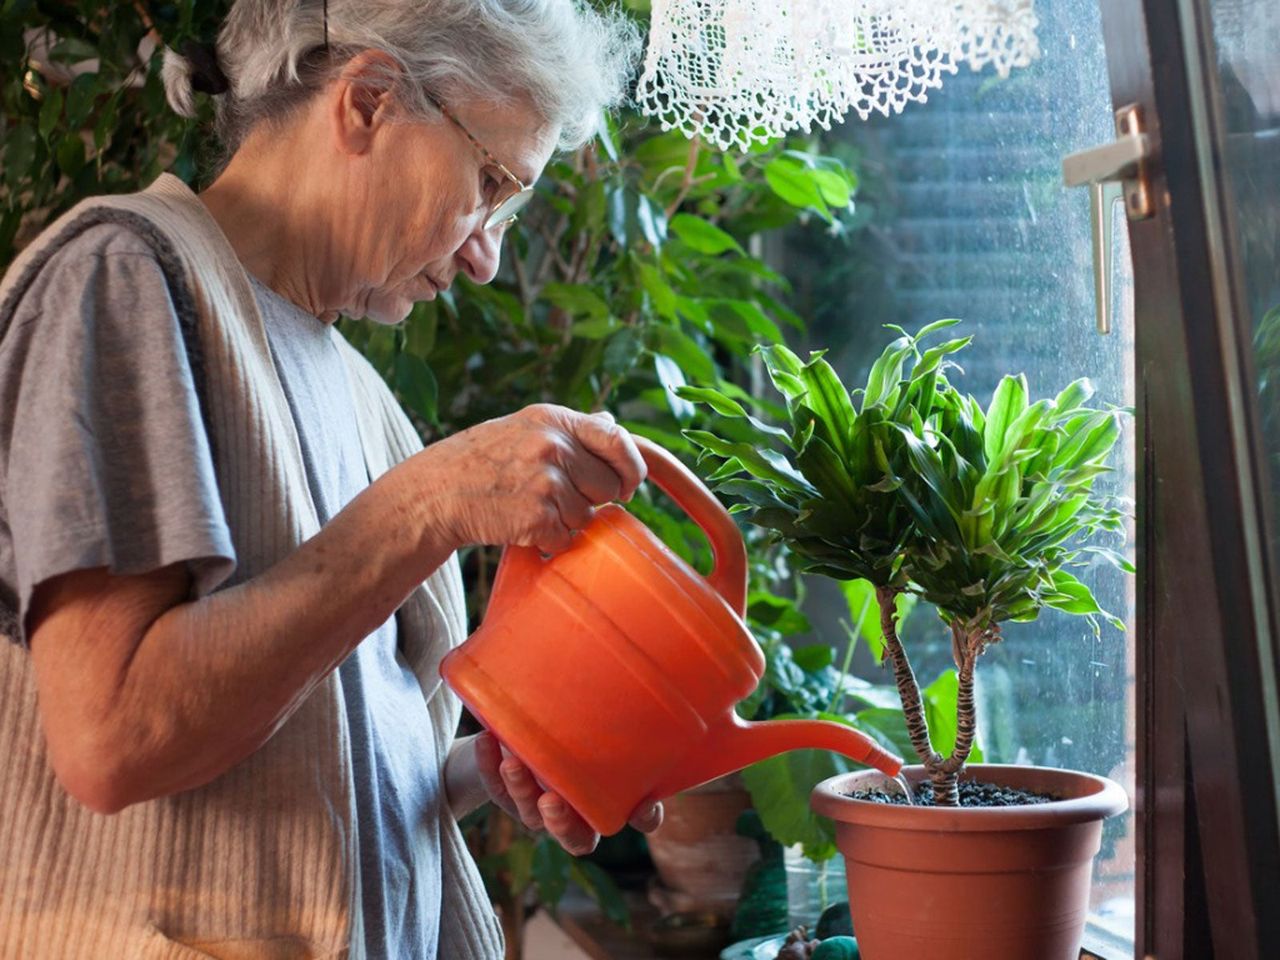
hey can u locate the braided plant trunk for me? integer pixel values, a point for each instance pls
(908, 687)
(967, 645)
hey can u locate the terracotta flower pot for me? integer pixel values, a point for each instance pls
(1000, 883)
(700, 857)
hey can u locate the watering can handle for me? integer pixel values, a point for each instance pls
(729, 570)
(728, 575)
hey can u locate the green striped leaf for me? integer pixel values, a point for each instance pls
(931, 328)
(1112, 557)
(766, 464)
(823, 467)
(1007, 404)
(931, 359)
(886, 371)
(1090, 443)
(728, 407)
(1071, 596)
(1019, 432)
(785, 370)
(1075, 395)
(830, 402)
(716, 400)
(927, 465)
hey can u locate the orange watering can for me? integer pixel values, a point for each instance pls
(612, 669)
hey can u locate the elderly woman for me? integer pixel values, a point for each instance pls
(226, 561)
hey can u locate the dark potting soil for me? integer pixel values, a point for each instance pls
(971, 795)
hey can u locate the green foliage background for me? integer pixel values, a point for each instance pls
(83, 108)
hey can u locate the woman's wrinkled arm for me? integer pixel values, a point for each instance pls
(144, 693)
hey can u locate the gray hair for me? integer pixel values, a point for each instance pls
(570, 60)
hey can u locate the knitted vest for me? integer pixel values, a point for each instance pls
(260, 863)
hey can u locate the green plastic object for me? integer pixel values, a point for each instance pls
(762, 905)
(836, 948)
(834, 922)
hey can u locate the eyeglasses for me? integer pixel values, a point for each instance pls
(505, 207)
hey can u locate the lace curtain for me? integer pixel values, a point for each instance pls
(741, 71)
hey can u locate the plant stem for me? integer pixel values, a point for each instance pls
(837, 695)
(946, 787)
(522, 278)
(966, 711)
(969, 645)
(908, 687)
(580, 247)
(686, 183)
(552, 257)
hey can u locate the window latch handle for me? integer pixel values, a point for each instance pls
(1111, 171)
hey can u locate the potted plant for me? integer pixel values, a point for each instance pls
(912, 486)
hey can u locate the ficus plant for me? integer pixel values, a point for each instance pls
(82, 105)
(912, 486)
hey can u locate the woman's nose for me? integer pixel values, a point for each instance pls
(481, 253)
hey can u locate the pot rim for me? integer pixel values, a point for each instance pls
(1089, 798)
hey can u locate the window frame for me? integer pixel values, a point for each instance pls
(1207, 597)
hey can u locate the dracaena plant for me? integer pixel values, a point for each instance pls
(911, 485)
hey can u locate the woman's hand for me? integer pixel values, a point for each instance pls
(531, 478)
(512, 787)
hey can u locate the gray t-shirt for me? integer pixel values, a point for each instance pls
(104, 461)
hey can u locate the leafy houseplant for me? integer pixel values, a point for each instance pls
(917, 490)
(912, 487)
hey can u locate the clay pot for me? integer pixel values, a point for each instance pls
(1000, 883)
(700, 858)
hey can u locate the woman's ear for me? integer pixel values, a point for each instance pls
(363, 98)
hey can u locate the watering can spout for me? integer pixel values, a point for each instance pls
(738, 743)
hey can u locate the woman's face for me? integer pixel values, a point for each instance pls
(429, 191)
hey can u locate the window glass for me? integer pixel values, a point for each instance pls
(1247, 35)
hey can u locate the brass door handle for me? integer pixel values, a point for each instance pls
(1111, 171)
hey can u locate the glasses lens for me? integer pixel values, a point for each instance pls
(508, 208)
